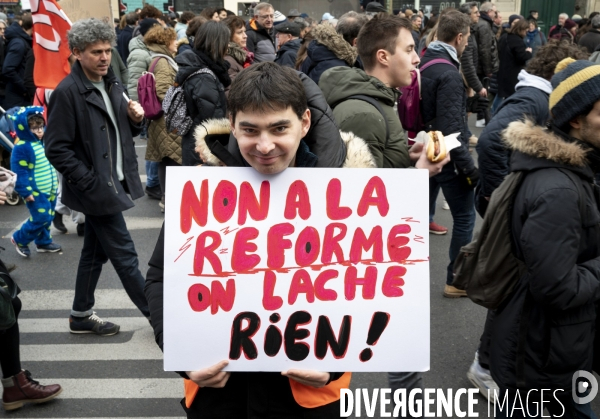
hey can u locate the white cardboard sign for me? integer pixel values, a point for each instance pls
(322, 269)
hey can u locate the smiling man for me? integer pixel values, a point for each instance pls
(89, 140)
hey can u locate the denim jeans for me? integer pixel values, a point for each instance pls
(408, 381)
(106, 237)
(560, 404)
(496, 104)
(152, 174)
(460, 198)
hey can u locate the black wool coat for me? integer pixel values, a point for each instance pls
(81, 144)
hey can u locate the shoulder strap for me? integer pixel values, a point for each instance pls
(154, 62)
(436, 61)
(201, 71)
(377, 105)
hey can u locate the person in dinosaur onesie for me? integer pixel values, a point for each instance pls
(36, 182)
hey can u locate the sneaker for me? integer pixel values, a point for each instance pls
(453, 292)
(154, 192)
(445, 205)
(92, 324)
(435, 228)
(22, 250)
(481, 378)
(480, 123)
(49, 248)
(58, 223)
(473, 140)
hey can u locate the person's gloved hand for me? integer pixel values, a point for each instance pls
(472, 178)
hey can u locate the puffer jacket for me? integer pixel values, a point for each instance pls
(138, 61)
(512, 60)
(286, 56)
(362, 118)
(248, 394)
(552, 310)
(161, 143)
(260, 42)
(444, 101)
(329, 49)
(469, 60)
(205, 99)
(18, 45)
(487, 47)
(529, 101)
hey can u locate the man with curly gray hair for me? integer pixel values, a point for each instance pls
(91, 124)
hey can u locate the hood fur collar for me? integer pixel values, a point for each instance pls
(357, 150)
(334, 42)
(536, 141)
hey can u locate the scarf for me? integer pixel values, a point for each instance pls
(442, 46)
(220, 69)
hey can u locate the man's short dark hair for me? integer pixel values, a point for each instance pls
(35, 121)
(548, 56)
(27, 21)
(466, 7)
(451, 24)
(414, 17)
(350, 24)
(194, 25)
(186, 16)
(381, 32)
(267, 86)
(131, 18)
(532, 12)
(150, 11)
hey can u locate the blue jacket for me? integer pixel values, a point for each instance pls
(534, 40)
(18, 45)
(35, 174)
(123, 42)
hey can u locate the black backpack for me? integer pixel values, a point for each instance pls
(487, 268)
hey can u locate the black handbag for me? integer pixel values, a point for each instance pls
(8, 291)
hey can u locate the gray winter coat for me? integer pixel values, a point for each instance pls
(138, 61)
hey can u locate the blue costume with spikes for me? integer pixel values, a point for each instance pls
(35, 176)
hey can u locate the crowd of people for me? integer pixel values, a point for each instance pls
(336, 85)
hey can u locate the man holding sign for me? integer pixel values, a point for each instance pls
(269, 119)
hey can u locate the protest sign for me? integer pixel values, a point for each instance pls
(85, 9)
(323, 269)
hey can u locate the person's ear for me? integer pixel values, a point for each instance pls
(77, 53)
(382, 57)
(305, 122)
(232, 124)
(576, 122)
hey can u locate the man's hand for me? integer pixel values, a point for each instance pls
(483, 92)
(211, 376)
(528, 50)
(2, 197)
(311, 378)
(30, 198)
(419, 156)
(135, 112)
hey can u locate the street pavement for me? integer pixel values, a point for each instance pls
(122, 375)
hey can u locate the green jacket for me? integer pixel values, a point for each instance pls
(362, 118)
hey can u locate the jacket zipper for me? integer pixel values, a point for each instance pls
(110, 156)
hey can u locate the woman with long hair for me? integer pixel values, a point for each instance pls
(203, 73)
(513, 56)
(238, 55)
(163, 147)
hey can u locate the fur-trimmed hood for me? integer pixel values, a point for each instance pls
(334, 42)
(541, 143)
(213, 134)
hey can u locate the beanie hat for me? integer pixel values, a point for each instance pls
(512, 18)
(576, 87)
(278, 17)
(327, 16)
(569, 24)
(146, 24)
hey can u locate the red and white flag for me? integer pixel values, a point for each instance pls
(50, 46)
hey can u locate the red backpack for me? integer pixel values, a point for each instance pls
(409, 102)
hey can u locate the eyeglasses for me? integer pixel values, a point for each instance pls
(38, 128)
(263, 17)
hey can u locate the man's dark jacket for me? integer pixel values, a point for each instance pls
(444, 101)
(487, 47)
(123, 42)
(493, 155)
(554, 302)
(590, 40)
(286, 56)
(81, 144)
(18, 44)
(469, 60)
(319, 59)
(260, 42)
